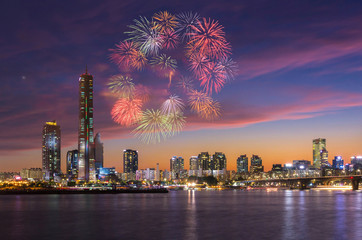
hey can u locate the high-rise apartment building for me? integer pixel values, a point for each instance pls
(130, 161)
(256, 164)
(51, 150)
(242, 164)
(320, 154)
(206, 162)
(72, 164)
(219, 161)
(86, 129)
(176, 166)
(98, 152)
(194, 163)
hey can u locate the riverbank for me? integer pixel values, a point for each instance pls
(80, 191)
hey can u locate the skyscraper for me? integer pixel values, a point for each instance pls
(319, 149)
(98, 152)
(242, 164)
(130, 161)
(194, 163)
(219, 161)
(72, 164)
(256, 164)
(86, 129)
(205, 161)
(176, 166)
(51, 150)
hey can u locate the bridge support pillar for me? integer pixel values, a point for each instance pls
(355, 183)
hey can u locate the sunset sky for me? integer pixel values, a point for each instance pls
(299, 78)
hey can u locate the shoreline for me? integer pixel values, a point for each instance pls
(69, 191)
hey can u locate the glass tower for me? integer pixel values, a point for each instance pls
(86, 129)
(320, 153)
(72, 164)
(51, 150)
(242, 164)
(219, 161)
(176, 166)
(98, 152)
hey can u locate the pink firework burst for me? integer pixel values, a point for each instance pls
(127, 111)
(213, 78)
(208, 38)
(170, 39)
(124, 53)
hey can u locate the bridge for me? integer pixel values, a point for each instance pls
(303, 182)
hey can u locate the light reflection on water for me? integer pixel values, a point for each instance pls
(184, 215)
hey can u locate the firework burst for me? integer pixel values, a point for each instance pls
(208, 39)
(185, 83)
(164, 62)
(185, 23)
(152, 127)
(172, 105)
(139, 61)
(124, 53)
(212, 111)
(164, 21)
(146, 36)
(198, 64)
(229, 67)
(121, 85)
(127, 111)
(170, 39)
(213, 78)
(176, 123)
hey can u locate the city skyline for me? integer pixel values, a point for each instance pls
(272, 109)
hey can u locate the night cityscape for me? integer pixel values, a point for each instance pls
(181, 120)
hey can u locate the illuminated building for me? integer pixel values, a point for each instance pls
(256, 164)
(86, 162)
(51, 150)
(72, 164)
(301, 164)
(176, 166)
(242, 164)
(206, 162)
(31, 173)
(130, 162)
(338, 163)
(219, 161)
(98, 152)
(324, 159)
(157, 177)
(194, 163)
(319, 152)
(356, 162)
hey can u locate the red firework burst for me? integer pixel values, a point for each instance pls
(198, 64)
(213, 78)
(124, 53)
(208, 39)
(127, 111)
(170, 39)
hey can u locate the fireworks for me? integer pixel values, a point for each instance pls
(185, 23)
(213, 78)
(146, 36)
(175, 122)
(208, 39)
(185, 84)
(164, 21)
(170, 39)
(127, 111)
(172, 105)
(124, 53)
(153, 126)
(151, 42)
(121, 85)
(164, 62)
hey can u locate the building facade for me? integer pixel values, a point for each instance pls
(319, 151)
(242, 164)
(176, 167)
(256, 164)
(338, 163)
(98, 152)
(130, 162)
(72, 164)
(86, 129)
(51, 150)
(219, 161)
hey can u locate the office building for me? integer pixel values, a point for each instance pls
(338, 163)
(256, 164)
(72, 164)
(242, 164)
(98, 152)
(319, 152)
(51, 150)
(86, 163)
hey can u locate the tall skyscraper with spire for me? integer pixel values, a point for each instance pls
(86, 164)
